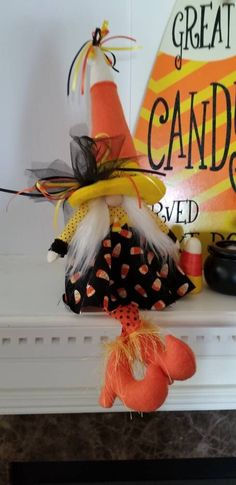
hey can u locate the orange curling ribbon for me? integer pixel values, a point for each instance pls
(64, 188)
(56, 189)
(131, 179)
(20, 192)
(119, 37)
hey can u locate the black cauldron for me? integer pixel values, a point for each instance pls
(220, 267)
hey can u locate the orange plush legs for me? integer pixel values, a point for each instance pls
(146, 395)
(129, 318)
(137, 342)
(179, 359)
(163, 362)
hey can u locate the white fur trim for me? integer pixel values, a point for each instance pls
(52, 256)
(142, 220)
(87, 239)
(95, 226)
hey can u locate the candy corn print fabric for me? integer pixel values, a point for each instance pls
(126, 270)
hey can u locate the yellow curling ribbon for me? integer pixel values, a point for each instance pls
(43, 186)
(105, 28)
(102, 135)
(56, 213)
(78, 65)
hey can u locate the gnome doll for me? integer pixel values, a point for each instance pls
(120, 256)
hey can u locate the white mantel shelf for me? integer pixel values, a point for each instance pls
(51, 360)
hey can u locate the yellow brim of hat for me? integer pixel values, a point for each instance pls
(149, 188)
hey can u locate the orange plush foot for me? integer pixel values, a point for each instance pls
(144, 395)
(107, 398)
(179, 359)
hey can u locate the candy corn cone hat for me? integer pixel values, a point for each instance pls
(111, 142)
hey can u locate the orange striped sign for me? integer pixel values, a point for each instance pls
(187, 123)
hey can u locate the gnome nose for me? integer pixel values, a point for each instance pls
(114, 200)
(100, 70)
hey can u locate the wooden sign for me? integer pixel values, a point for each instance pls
(187, 124)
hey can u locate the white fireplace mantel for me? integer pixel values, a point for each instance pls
(51, 361)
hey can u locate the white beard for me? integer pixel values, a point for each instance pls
(88, 236)
(95, 226)
(143, 222)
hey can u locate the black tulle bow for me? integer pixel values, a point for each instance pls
(98, 159)
(92, 160)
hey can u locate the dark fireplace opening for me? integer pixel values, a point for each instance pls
(204, 471)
